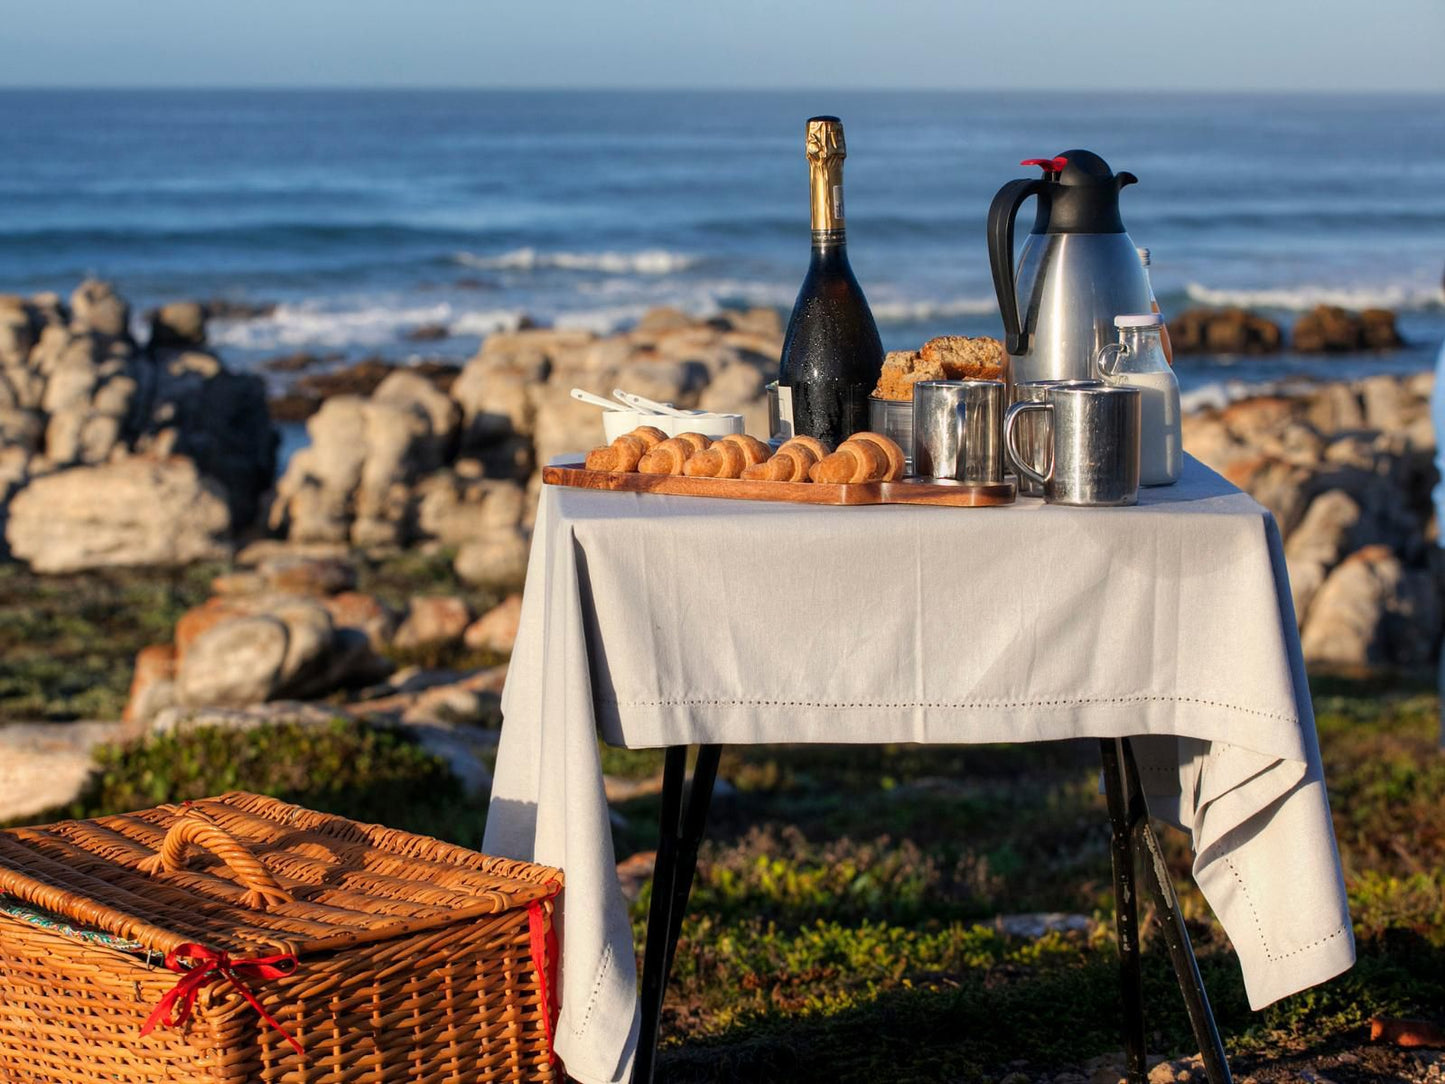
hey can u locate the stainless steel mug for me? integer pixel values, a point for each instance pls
(1033, 429)
(1094, 444)
(958, 430)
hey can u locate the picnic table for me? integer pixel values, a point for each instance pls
(1165, 631)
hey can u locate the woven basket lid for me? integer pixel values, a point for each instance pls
(242, 873)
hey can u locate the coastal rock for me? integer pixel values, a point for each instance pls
(410, 391)
(1224, 331)
(498, 561)
(411, 464)
(152, 686)
(95, 306)
(492, 395)
(433, 620)
(331, 636)
(1373, 610)
(18, 330)
(179, 325)
(1323, 537)
(1278, 485)
(235, 663)
(132, 512)
(363, 613)
(45, 766)
(496, 630)
(1330, 329)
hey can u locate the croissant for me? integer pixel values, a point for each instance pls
(788, 465)
(890, 450)
(813, 444)
(723, 459)
(853, 462)
(650, 435)
(754, 450)
(667, 457)
(621, 455)
(696, 440)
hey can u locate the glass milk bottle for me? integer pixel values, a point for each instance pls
(1137, 361)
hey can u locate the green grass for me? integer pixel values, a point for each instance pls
(841, 927)
(366, 773)
(68, 643)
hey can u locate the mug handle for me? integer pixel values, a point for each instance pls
(1010, 428)
(1108, 358)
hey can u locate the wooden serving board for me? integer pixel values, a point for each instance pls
(677, 485)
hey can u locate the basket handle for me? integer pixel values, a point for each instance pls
(262, 890)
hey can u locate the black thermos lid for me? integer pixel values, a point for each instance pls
(1081, 194)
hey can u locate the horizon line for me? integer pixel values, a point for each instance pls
(1092, 91)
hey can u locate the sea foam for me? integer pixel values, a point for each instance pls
(311, 326)
(1299, 298)
(652, 261)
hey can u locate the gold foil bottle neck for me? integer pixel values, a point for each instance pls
(826, 151)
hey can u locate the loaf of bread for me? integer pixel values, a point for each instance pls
(963, 358)
(948, 357)
(901, 370)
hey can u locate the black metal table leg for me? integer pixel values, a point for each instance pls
(1160, 887)
(1126, 911)
(680, 833)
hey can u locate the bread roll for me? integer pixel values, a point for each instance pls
(650, 435)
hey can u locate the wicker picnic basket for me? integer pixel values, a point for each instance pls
(241, 939)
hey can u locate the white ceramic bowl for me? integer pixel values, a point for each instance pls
(617, 422)
(709, 425)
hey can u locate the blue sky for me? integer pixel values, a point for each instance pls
(1345, 45)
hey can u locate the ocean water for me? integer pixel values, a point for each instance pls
(362, 215)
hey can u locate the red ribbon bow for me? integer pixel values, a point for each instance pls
(175, 1008)
(543, 944)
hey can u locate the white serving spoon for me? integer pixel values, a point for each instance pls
(638, 402)
(595, 400)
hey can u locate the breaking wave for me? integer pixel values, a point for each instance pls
(652, 261)
(1408, 297)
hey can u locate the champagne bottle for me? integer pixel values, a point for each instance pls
(832, 356)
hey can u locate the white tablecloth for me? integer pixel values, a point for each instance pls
(673, 620)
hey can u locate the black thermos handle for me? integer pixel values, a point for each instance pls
(1001, 215)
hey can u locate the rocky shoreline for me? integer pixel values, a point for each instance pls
(121, 453)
